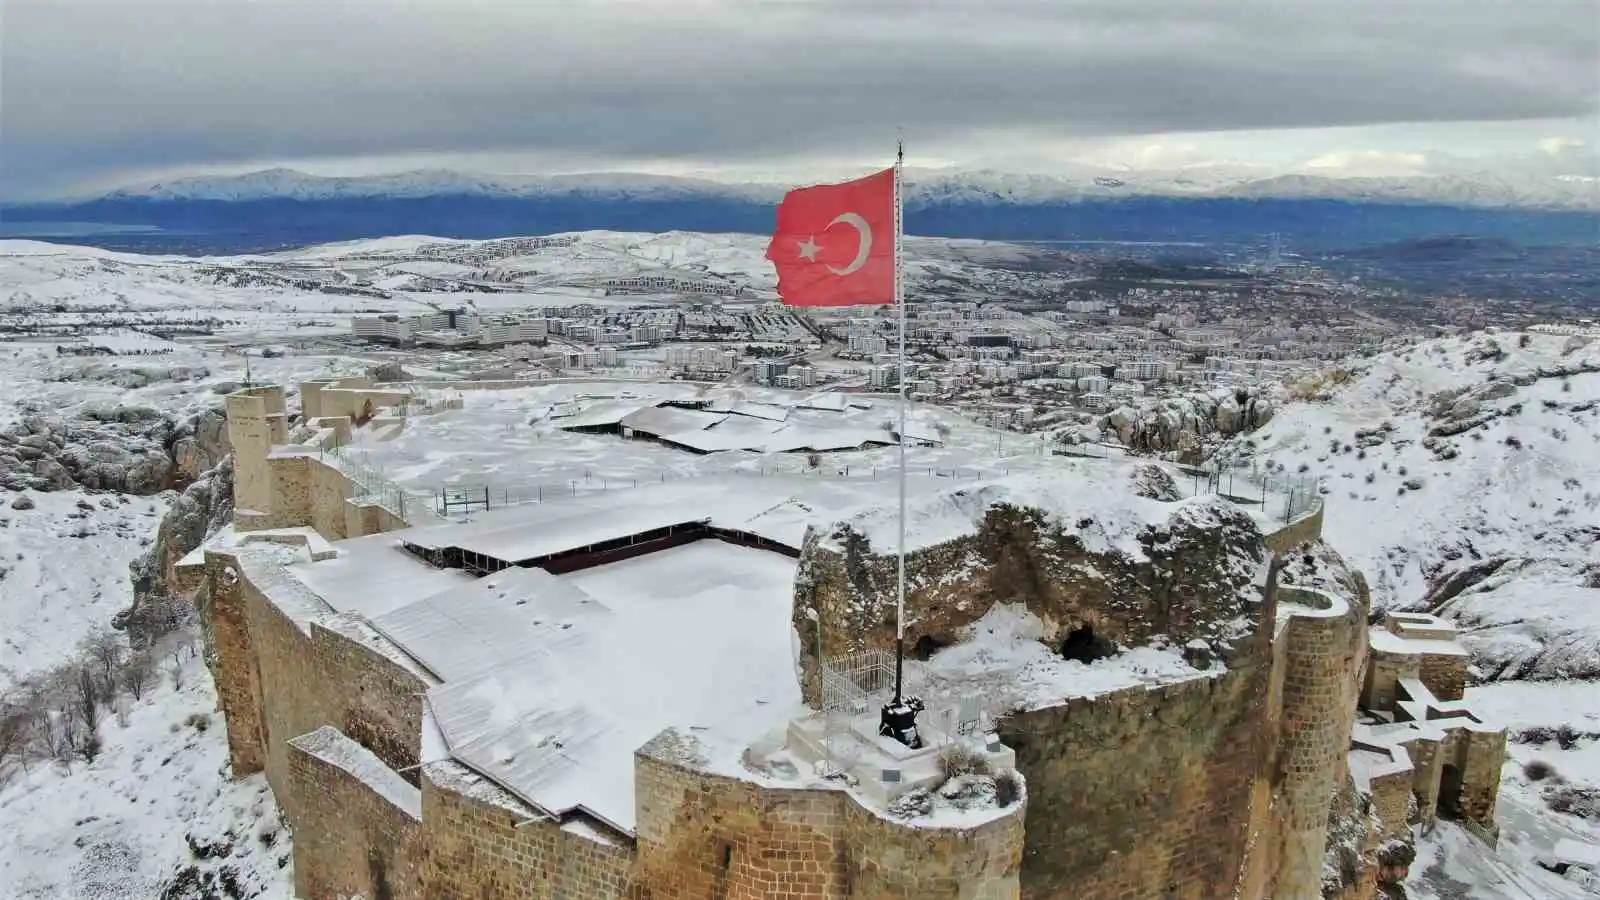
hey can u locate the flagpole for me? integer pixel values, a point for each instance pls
(900, 381)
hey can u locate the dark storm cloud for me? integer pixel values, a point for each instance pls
(91, 86)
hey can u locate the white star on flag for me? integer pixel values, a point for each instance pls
(809, 248)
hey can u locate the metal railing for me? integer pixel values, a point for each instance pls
(458, 498)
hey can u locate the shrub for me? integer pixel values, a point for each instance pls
(1007, 788)
(1538, 770)
(959, 759)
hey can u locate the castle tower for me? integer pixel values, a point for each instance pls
(256, 423)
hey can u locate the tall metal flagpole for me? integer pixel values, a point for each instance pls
(900, 381)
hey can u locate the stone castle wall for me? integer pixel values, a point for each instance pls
(1218, 787)
(702, 835)
(255, 424)
(1143, 793)
(483, 844)
(1444, 675)
(360, 825)
(1303, 530)
(277, 680)
(1319, 656)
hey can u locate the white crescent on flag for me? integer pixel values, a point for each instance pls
(864, 242)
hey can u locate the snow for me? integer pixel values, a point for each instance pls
(115, 828)
(1005, 661)
(1534, 498)
(478, 626)
(64, 570)
(1113, 516)
(559, 725)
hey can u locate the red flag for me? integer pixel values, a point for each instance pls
(834, 244)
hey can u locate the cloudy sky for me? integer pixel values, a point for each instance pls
(98, 93)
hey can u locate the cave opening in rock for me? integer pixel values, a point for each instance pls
(1083, 645)
(925, 647)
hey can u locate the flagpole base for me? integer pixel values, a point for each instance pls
(898, 720)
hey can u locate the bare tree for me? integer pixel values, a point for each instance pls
(87, 696)
(137, 673)
(103, 651)
(16, 732)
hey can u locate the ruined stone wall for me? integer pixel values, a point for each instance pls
(476, 851)
(1444, 675)
(1143, 793)
(1426, 766)
(357, 826)
(1391, 801)
(1193, 582)
(1384, 674)
(1482, 755)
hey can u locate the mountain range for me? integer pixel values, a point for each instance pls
(278, 208)
(923, 187)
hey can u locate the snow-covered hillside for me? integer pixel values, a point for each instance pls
(153, 817)
(1502, 189)
(1462, 476)
(1448, 462)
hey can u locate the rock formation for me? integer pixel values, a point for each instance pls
(1186, 423)
(132, 449)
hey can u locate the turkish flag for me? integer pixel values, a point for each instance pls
(834, 244)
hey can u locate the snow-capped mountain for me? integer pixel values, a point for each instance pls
(1534, 189)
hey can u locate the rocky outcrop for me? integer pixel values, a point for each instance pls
(131, 449)
(1187, 423)
(198, 513)
(1184, 577)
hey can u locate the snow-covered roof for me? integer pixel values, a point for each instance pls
(602, 414)
(563, 528)
(479, 626)
(658, 421)
(558, 725)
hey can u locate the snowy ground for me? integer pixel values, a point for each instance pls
(504, 440)
(119, 827)
(64, 570)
